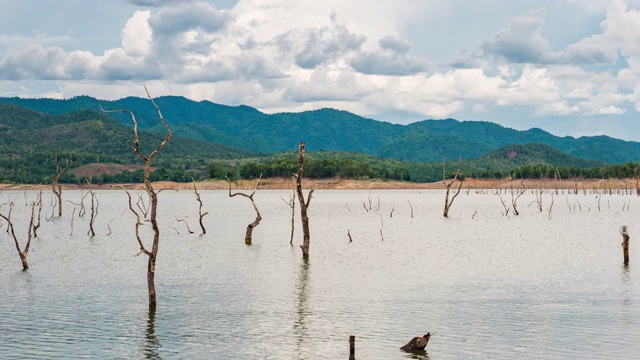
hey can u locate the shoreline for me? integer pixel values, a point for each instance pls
(349, 184)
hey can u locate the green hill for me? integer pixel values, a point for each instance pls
(29, 139)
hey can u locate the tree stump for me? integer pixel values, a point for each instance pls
(417, 343)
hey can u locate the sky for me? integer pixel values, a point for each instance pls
(570, 67)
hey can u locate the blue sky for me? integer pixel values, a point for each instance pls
(567, 66)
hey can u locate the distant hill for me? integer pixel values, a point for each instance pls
(513, 156)
(334, 130)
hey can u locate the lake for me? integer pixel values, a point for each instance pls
(539, 285)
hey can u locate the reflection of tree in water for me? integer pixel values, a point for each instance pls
(300, 326)
(626, 284)
(418, 354)
(151, 343)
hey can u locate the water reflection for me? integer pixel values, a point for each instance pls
(151, 343)
(300, 327)
(626, 284)
(418, 354)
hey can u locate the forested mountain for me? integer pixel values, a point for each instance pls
(29, 140)
(333, 130)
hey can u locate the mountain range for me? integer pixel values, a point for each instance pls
(246, 128)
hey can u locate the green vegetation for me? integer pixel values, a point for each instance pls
(29, 140)
(334, 130)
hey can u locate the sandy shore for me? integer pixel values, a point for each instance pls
(279, 183)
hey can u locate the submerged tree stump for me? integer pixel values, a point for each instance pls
(417, 343)
(352, 345)
(625, 244)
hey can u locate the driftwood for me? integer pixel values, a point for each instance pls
(417, 343)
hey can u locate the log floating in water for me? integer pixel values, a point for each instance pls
(417, 343)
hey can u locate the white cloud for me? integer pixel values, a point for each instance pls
(610, 110)
(137, 34)
(302, 54)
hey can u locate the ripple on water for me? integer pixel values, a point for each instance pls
(486, 287)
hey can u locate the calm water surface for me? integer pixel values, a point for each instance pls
(486, 285)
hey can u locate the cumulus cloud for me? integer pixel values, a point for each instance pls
(316, 46)
(137, 34)
(391, 58)
(34, 61)
(521, 41)
(395, 44)
(178, 19)
(298, 55)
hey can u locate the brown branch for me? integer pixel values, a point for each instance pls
(184, 219)
(22, 253)
(37, 226)
(204, 231)
(138, 224)
(256, 222)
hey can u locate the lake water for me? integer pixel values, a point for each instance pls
(486, 285)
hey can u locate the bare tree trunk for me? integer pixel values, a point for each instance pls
(514, 199)
(37, 225)
(153, 198)
(447, 203)
(94, 212)
(57, 189)
(303, 204)
(22, 253)
(204, 231)
(292, 205)
(249, 233)
(625, 245)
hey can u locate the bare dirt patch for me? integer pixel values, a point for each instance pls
(89, 170)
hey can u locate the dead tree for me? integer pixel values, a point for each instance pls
(447, 203)
(55, 185)
(304, 204)
(73, 216)
(11, 203)
(184, 219)
(94, 212)
(204, 231)
(250, 227)
(506, 209)
(36, 226)
(153, 197)
(22, 253)
(292, 205)
(625, 244)
(514, 198)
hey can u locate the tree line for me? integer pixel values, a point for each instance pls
(38, 168)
